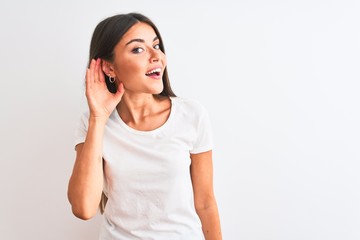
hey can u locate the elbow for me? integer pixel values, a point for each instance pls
(83, 213)
(206, 203)
(82, 209)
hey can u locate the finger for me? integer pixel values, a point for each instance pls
(120, 91)
(101, 73)
(87, 79)
(91, 71)
(96, 70)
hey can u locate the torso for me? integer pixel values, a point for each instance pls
(146, 173)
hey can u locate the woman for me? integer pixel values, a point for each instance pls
(141, 151)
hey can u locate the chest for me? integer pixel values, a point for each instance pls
(156, 159)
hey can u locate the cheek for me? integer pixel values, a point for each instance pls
(164, 60)
(127, 69)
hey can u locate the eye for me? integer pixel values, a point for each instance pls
(157, 46)
(137, 50)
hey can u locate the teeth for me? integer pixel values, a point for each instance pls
(154, 71)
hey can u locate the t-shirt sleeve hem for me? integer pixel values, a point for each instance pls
(201, 149)
(78, 141)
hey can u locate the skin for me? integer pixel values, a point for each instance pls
(139, 109)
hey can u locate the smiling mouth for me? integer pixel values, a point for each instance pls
(154, 72)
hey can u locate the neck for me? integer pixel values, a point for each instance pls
(135, 108)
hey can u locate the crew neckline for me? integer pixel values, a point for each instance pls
(150, 132)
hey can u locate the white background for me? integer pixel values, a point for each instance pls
(280, 80)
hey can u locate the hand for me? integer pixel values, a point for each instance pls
(100, 100)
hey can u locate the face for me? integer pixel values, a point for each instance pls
(138, 61)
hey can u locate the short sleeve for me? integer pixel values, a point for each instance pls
(81, 129)
(204, 137)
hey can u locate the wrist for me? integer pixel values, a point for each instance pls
(97, 120)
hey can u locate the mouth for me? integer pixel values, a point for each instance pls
(156, 72)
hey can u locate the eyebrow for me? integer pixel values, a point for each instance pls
(140, 40)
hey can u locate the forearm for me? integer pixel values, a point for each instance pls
(210, 221)
(86, 182)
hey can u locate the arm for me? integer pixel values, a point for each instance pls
(86, 182)
(205, 204)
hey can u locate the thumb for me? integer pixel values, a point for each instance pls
(120, 91)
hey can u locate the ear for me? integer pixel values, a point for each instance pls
(107, 68)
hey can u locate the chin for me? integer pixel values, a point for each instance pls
(157, 90)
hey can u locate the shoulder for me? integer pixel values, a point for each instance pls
(83, 118)
(84, 114)
(189, 105)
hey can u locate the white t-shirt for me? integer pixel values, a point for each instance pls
(147, 175)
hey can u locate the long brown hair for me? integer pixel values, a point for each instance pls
(106, 36)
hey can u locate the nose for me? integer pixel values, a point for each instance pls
(155, 56)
